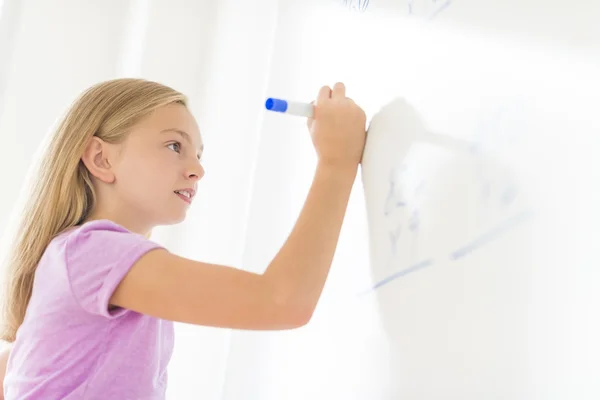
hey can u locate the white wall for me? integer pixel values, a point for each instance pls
(215, 52)
(220, 55)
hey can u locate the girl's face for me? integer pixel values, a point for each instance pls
(157, 168)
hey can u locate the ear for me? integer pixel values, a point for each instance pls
(95, 158)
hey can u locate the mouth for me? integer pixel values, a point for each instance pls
(185, 194)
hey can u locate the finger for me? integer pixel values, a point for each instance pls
(324, 93)
(339, 91)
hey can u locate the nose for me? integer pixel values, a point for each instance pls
(195, 171)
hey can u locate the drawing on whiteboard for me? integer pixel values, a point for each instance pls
(403, 213)
(356, 5)
(413, 226)
(394, 197)
(415, 267)
(426, 9)
(413, 222)
(403, 217)
(445, 197)
(482, 240)
(497, 191)
(394, 201)
(402, 204)
(394, 235)
(508, 194)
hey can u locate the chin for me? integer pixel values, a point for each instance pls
(177, 218)
(174, 220)
(173, 216)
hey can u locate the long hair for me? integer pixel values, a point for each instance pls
(62, 195)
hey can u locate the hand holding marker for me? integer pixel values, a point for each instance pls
(337, 128)
(307, 110)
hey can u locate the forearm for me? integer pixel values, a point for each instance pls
(299, 270)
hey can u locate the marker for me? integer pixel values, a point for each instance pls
(290, 107)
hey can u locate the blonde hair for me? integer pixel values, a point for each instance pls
(62, 194)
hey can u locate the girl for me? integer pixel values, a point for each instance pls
(91, 301)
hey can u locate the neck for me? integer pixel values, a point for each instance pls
(109, 206)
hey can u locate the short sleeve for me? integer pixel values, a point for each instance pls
(98, 255)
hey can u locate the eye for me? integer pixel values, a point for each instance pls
(176, 147)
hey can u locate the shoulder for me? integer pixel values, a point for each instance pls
(97, 255)
(102, 227)
(103, 242)
(102, 237)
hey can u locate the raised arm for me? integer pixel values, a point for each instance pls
(175, 288)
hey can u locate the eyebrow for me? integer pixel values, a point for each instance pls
(184, 135)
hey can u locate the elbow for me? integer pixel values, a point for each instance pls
(301, 317)
(292, 314)
(292, 318)
(291, 310)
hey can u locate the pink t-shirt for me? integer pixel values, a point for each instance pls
(70, 345)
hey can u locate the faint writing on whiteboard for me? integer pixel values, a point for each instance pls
(426, 9)
(442, 199)
(356, 5)
(401, 208)
(398, 274)
(495, 193)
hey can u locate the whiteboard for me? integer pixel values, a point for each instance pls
(480, 218)
(467, 263)
(461, 241)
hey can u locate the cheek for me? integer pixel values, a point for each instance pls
(145, 176)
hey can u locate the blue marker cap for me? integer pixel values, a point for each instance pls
(276, 105)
